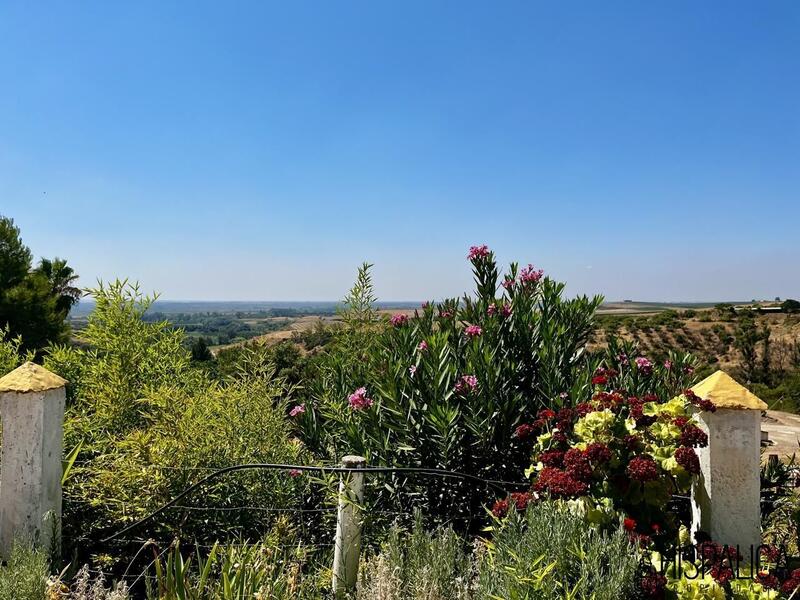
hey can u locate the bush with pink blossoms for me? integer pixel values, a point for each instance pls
(482, 365)
(460, 384)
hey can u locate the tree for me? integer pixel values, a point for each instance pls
(15, 257)
(200, 351)
(30, 306)
(789, 305)
(747, 336)
(61, 278)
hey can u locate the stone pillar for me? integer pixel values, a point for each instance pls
(32, 412)
(726, 497)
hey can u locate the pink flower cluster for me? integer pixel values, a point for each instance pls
(505, 310)
(477, 252)
(399, 320)
(530, 274)
(467, 383)
(358, 400)
(422, 346)
(644, 364)
(297, 410)
(473, 331)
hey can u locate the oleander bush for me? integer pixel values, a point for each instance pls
(446, 387)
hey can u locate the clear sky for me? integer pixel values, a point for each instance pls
(234, 150)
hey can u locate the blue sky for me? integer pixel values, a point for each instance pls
(646, 150)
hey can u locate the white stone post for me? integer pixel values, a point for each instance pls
(32, 412)
(348, 527)
(726, 497)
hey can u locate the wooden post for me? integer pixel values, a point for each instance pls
(726, 498)
(348, 527)
(32, 411)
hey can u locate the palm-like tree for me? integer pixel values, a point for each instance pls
(61, 277)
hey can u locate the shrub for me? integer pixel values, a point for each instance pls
(24, 575)
(271, 568)
(547, 552)
(418, 565)
(149, 425)
(11, 355)
(620, 457)
(573, 560)
(447, 388)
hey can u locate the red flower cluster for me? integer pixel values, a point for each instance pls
(642, 468)
(610, 400)
(653, 585)
(767, 580)
(524, 432)
(771, 553)
(632, 442)
(577, 465)
(722, 574)
(520, 500)
(792, 583)
(687, 458)
(693, 437)
(602, 376)
(598, 453)
(500, 508)
(552, 458)
(704, 405)
(635, 409)
(680, 422)
(559, 484)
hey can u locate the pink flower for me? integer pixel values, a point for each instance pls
(476, 252)
(412, 369)
(445, 314)
(295, 473)
(399, 320)
(425, 304)
(492, 309)
(688, 370)
(358, 400)
(667, 364)
(467, 383)
(473, 331)
(644, 364)
(506, 310)
(422, 346)
(508, 283)
(297, 410)
(530, 275)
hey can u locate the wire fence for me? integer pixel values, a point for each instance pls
(314, 520)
